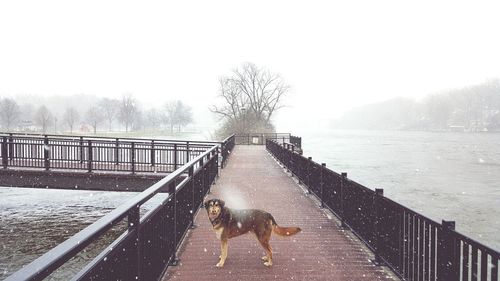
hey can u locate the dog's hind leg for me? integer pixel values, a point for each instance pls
(223, 253)
(264, 236)
(268, 259)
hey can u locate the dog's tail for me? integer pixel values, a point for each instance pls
(284, 231)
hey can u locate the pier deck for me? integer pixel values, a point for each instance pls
(322, 251)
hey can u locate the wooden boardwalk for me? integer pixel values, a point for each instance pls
(322, 251)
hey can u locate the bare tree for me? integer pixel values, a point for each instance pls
(177, 114)
(70, 117)
(43, 118)
(169, 116)
(262, 89)
(9, 113)
(110, 108)
(138, 123)
(184, 115)
(94, 117)
(251, 95)
(128, 110)
(153, 118)
(233, 99)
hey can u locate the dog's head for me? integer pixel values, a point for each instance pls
(214, 207)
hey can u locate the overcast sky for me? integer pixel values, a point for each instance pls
(335, 55)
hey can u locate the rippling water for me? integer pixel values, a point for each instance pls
(451, 176)
(32, 221)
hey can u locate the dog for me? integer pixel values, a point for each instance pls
(228, 223)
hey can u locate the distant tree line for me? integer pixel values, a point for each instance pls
(472, 108)
(92, 115)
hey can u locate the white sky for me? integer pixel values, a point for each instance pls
(335, 55)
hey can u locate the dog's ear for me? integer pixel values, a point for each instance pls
(206, 203)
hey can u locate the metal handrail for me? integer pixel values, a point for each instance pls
(87, 137)
(414, 246)
(260, 138)
(50, 261)
(226, 146)
(77, 153)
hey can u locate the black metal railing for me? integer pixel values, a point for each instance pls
(412, 245)
(149, 243)
(89, 137)
(296, 141)
(260, 138)
(63, 152)
(227, 146)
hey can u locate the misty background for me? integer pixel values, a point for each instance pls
(402, 95)
(334, 56)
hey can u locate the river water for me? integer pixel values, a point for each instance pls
(443, 175)
(452, 176)
(32, 221)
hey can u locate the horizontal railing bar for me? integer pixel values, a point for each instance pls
(412, 228)
(94, 263)
(471, 241)
(64, 251)
(408, 210)
(87, 137)
(433, 222)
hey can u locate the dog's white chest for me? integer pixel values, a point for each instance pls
(218, 232)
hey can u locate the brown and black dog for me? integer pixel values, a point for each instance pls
(229, 223)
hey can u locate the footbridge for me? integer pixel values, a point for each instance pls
(350, 232)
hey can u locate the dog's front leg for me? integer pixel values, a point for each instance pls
(223, 253)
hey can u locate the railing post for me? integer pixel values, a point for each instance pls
(132, 156)
(223, 153)
(206, 175)
(343, 189)
(217, 162)
(175, 260)
(193, 196)
(309, 163)
(133, 226)
(11, 147)
(5, 160)
(292, 163)
(175, 157)
(153, 154)
(322, 184)
(300, 169)
(117, 151)
(46, 150)
(81, 150)
(90, 156)
(287, 161)
(187, 153)
(217, 152)
(377, 213)
(447, 253)
(202, 162)
(214, 166)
